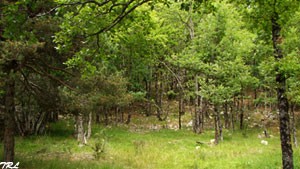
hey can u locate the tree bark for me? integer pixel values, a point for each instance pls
(197, 127)
(80, 129)
(226, 116)
(283, 106)
(181, 107)
(89, 132)
(148, 95)
(9, 123)
(242, 112)
(158, 97)
(293, 126)
(216, 121)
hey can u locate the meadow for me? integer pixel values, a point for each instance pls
(121, 147)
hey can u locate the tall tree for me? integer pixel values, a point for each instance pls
(272, 15)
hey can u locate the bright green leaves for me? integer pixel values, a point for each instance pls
(219, 53)
(290, 64)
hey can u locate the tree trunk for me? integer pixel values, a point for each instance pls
(128, 118)
(293, 126)
(97, 118)
(232, 115)
(283, 106)
(106, 120)
(89, 132)
(226, 116)
(148, 95)
(242, 112)
(197, 127)
(218, 125)
(80, 129)
(158, 97)
(181, 107)
(216, 121)
(9, 123)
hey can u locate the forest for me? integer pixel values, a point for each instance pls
(149, 84)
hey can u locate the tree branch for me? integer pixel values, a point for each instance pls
(120, 17)
(50, 76)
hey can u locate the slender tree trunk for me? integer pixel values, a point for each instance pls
(197, 127)
(106, 120)
(203, 107)
(226, 116)
(232, 115)
(283, 106)
(181, 105)
(97, 118)
(149, 104)
(180, 112)
(9, 123)
(242, 112)
(217, 124)
(128, 118)
(158, 99)
(89, 132)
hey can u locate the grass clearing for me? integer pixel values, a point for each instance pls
(161, 149)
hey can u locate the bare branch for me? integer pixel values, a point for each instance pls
(50, 76)
(120, 17)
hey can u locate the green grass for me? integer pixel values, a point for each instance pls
(163, 149)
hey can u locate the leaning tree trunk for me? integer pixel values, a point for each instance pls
(283, 106)
(9, 124)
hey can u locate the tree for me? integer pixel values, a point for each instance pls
(275, 15)
(20, 56)
(217, 54)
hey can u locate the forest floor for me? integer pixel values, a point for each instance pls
(142, 145)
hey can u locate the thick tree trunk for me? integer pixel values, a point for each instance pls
(283, 106)
(9, 124)
(80, 129)
(9, 112)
